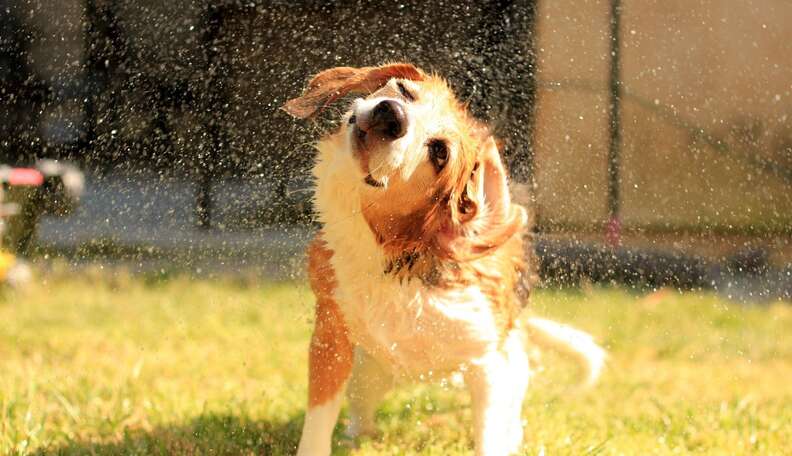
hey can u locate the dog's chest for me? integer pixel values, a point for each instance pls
(407, 325)
(411, 327)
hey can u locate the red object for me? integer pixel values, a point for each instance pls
(613, 232)
(25, 176)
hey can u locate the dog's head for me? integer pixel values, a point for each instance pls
(429, 175)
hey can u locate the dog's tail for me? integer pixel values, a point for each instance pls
(569, 340)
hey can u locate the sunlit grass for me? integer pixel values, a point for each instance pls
(121, 365)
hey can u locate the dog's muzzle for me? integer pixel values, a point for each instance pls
(372, 182)
(386, 122)
(377, 126)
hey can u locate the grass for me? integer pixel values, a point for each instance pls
(100, 364)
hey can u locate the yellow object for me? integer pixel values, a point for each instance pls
(7, 261)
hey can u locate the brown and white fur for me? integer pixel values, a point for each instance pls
(417, 262)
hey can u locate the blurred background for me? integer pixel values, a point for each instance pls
(651, 138)
(155, 204)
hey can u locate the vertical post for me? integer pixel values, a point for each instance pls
(94, 70)
(613, 231)
(213, 113)
(203, 200)
(105, 54)
(16, 96)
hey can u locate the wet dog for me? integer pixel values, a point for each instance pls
(418, 259)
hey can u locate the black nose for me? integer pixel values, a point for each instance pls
(388, 120)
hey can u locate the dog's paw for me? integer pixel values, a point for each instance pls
(361, 426)
(350, 443)
(352, 438)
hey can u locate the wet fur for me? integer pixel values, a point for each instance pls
(419, 277)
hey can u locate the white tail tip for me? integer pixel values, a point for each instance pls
(572, 341)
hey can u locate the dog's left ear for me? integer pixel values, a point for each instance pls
(330, 85)
(483, 217)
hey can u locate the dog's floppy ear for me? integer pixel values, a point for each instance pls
(483, 217)
(332, 84)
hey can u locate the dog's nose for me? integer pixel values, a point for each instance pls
(388, 120)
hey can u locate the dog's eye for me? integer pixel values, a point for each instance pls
(438, 153)
(404, 92)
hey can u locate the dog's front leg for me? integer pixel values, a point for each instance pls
(329, 368)
(498, 382)
(370, 381)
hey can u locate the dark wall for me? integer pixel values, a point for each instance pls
(194, 87)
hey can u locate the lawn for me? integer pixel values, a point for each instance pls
(116, 364)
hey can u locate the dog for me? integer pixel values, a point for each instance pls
(418, 259)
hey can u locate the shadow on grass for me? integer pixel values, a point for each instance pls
(218, 434)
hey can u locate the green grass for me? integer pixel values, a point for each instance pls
(123, 365)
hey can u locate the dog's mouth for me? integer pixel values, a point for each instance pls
(369, 180)
(360, 148)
